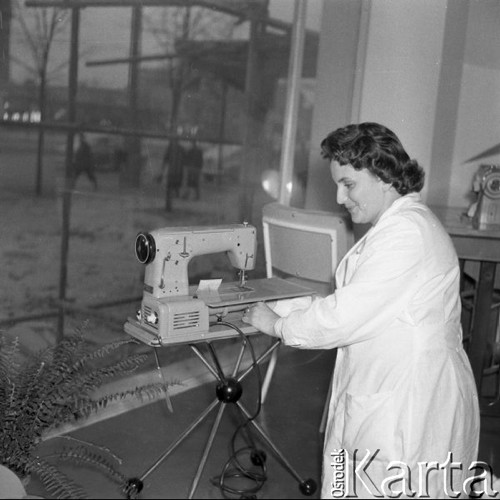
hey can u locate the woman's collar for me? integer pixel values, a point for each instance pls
(400, 202)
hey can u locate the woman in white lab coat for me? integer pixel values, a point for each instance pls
(403, 415)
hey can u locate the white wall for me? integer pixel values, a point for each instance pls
(479, 109)
(335, 82)
(401, 74)
(430, 71)
(392, 68)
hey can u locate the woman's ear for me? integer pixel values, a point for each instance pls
(385, 185)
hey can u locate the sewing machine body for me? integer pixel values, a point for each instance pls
(486, 213)
(168, 251)
(172, 311)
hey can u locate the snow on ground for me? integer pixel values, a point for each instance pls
(101, 266)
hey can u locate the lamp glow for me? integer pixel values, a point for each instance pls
(270, 180)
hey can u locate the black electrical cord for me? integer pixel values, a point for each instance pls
(233, 468)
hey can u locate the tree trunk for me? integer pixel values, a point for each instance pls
(41, 133)
(5, 17)
(130, 176)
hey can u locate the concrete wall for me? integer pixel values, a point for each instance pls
(428, 69)
(478, 124)
(336, 81)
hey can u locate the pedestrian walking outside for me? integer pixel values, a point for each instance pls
(172, 171)
(84, 161)
(194, 166)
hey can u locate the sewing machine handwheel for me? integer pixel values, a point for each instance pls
(145, 248)
(492, 186)
(308, 487)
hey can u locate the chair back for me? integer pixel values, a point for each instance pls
(304, 245)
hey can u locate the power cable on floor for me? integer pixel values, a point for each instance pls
(256, 473)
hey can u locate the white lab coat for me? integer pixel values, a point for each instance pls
(402, 382)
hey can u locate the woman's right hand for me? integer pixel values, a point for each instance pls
(262, 317)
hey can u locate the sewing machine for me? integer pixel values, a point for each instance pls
(174, 312)
(485, 212)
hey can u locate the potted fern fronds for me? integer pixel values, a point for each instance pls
(39, 392)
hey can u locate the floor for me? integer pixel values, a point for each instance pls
(291, 417)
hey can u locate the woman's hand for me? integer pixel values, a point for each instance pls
(262, 317)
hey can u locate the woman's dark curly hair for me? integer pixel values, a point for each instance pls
(375, 147)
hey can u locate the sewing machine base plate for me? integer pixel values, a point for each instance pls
(258, 290)
(226, 303)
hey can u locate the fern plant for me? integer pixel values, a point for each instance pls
(41, 391)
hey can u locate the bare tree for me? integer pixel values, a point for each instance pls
(39, 28)
(5, 17)
(172, 26)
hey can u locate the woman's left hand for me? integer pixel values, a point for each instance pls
(262, 317)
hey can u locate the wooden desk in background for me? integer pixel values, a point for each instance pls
(483, 247)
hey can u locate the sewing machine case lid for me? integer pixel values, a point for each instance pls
(259, 290)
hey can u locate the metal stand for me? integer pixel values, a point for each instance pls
(228, 390)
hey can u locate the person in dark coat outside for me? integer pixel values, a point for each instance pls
(172, 170)
(84, 161)
(194, 165)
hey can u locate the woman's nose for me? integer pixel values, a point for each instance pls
(341, 197)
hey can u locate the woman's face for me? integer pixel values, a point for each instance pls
(364, 195)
